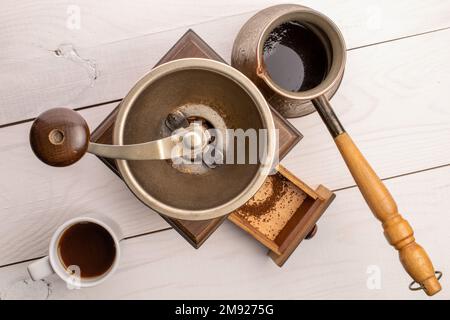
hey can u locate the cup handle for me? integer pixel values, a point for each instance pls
(40, 269)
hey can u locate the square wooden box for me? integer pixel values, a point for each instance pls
(299, 226)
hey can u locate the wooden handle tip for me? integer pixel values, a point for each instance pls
(431, 286)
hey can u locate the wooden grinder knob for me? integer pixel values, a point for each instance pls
(59, 137)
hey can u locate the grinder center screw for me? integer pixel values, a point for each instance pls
(193, 140)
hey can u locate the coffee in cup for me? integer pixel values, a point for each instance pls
(83, 252)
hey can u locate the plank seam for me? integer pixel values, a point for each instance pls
(76, 109)
(399, 38)
(126, 238)
(5, 125)
(397, 176)
(170, 228)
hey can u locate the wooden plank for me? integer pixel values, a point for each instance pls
(31, 29)
(346, 251)
(35, 198)
(399, 121)
(46, 80)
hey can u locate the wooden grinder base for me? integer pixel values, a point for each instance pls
(191, 45)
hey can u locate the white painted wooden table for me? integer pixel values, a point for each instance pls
(393, 101)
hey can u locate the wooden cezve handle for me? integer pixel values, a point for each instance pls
(397, 230)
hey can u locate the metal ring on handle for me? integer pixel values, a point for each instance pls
(420, 287)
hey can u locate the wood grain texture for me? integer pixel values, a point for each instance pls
(339, 264)
(298, 227)
(191, 45)
(59, 137)
(397, 230)
(99, 63)
(390, 101)
(195, 232)
(35, 198)
(398, 121)
(33, 28)
(390, 107)
(30, 29)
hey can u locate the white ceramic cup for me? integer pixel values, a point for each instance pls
(52, 263)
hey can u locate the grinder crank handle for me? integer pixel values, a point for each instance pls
(397, 230)
(60, 137)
